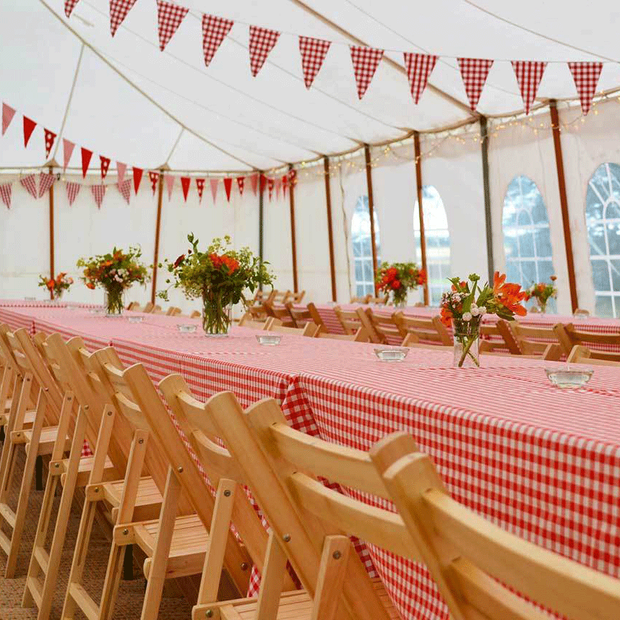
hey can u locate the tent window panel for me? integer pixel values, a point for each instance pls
(603, 224)
(362, 247)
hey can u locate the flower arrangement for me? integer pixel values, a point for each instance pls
(219, 276)
(467, 302)
(542, 293)
(398, 279)
(58, 285)
(115, 272)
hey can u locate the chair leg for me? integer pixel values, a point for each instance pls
(38, 474)
(111, 582)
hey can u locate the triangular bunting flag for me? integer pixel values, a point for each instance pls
(105, 165)
(50, 138)
(185, 181)
(200, 188)
(213, 183)
(262, 41)
(284, 185)
(5, 193)
(86, 155)
(313, 52)
(67, 151)
(263, 182)
(419, 68)
(214, 30)
(529, 73)
(7, 116)
(73, 189)
(228, 188)
(365, 62)
(121, 169)
(278, 187)
(30, 184)
(153, 177)
(46, 180)
(292, 176)
(137, 177)
(586, 75)
(169, 184)
(241, 184)
(69, 6)
(29, 126)
(270, 184)
(474, 72)
(98, 193)
(118, 12)
(124, 188)
(254, 183)
(169, 18)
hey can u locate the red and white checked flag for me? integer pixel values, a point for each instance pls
(124, 188)
(213, 183)
(29, 126)
(73, 189)
(118, 12)
(262, 41)
(121, 169)
(50, 138)
(228, 188)
(98, 193)
(86, 156)
(169, 184)
(474, 72)
(69, 6)
(5, 193)
(419, 69)
(214, 31)
(586, 75)
(365, 62)
(278, 187)
(241, 184)
(153, 177)
(529, 73)
(200, 188)
(137, 177)
(185, 182)
(270, 185)
(7, 116)
(46, 180)
(67, 151)
(313, 52)
(284, 185)
(169, 18)
(254, 183)
(105, 166)
(30, 184)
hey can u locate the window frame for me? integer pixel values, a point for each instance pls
(363, 256)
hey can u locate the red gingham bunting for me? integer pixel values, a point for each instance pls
(474, 72)
(213, 183)
(262, 41)
(241, 184)
(270, 186)
(284, 185)
(254, 183)
(69, 6)
(263, 182)
(5, 193)
(365, 62)
(50, 138)
(121, 168)
(292, 175)
(29, 126)
(169, 18)
(67, 151)
(7, 116)
(185, 182)
(46, 180)
(124, 188)
(153, 177)
(200, 188)
(137, 177)
(30, 184)
(214, 31)
(98, 193)
(586, 75)
(169, 179)
(313, 52)
(118, 12)
(529, 73)
(228, 188)
(278, 187)
(419, 69)
(86, 155)
(73, 189)
(105, 165)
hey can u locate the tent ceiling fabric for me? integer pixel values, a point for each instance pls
(235, 122)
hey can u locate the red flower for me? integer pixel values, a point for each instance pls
(508, 294)
(396, 284)
(179, 260)
(446, 316)
(50, 284)
(90, 285)
(421, 277)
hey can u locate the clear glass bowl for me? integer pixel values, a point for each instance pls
(569, 378)
(135, 319)
(268, 340)
(581, 315)
(391, 354)
(185, 328)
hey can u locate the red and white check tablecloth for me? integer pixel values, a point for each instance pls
(541, 462)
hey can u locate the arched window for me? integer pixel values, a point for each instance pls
(527, 238)
(362, 248)
(437, 242)
(603, 223)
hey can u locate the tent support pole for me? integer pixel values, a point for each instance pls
(291, 197)
(371, 211)
(484, 148)
(330, 230)
(160, 192)
(418, 174)
(52, 252)
(261, 215)
(568, 242)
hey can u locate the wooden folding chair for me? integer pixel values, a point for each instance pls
(278, 297)
(352, 320)
(309, 329)
(569, 336)
(378, 301)
(148, 307)
(360, 300)
(583, 355)
(474, 562)
(248, 321)
(498, 337)
(301, 316)
(386, 327)
(296, 298)
(534, 340)
(281, 313)
(173, 311)
(359, 336)
(422, 329)
(135, 306)
(195, 314)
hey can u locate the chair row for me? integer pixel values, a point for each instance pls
(151, 308)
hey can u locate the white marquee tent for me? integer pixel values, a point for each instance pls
(123, 98)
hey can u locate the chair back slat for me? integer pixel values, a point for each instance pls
(421, 329)
(385, 326)
(583, 355)
(308, 330)
(352, 320)
(569, 336)
(533, 340)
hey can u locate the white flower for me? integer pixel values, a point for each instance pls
(482, 310)
(474, 310)
(467, 316)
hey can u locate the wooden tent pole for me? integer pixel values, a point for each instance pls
(261, 204)
(291, 196)
(568, 242)
(484, 147)
(330, 231)
(160, 192)
(371, 211)
(418, 174)
(52, 252)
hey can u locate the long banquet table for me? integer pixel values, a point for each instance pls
(541, 462)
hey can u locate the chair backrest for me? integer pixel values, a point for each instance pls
(385, 326)
(309, 329)
(423, 329)
(534, 340)
(360, 336)
(148, 307)
(296, 298)
(248, 321)
(470, 558)
(352, 320)
(134, 305)
(173, 311)
(360, 300)
(569, 336)
(157, 310)
(498, 336)
(299, 316)
(583, 355)
(378, 301)
(279, 312)
(315, 316)
(195, 314)
(278, 297)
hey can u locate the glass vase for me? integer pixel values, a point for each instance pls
(216, 316)
(542, 306)
(113, 301)
(467, 343)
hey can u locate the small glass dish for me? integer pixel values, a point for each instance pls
(391, 354)
(569, 378)
(134, 319)
(581, 315)
(97, 311)
(30, 298)
(268, 340)
(185, 328)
